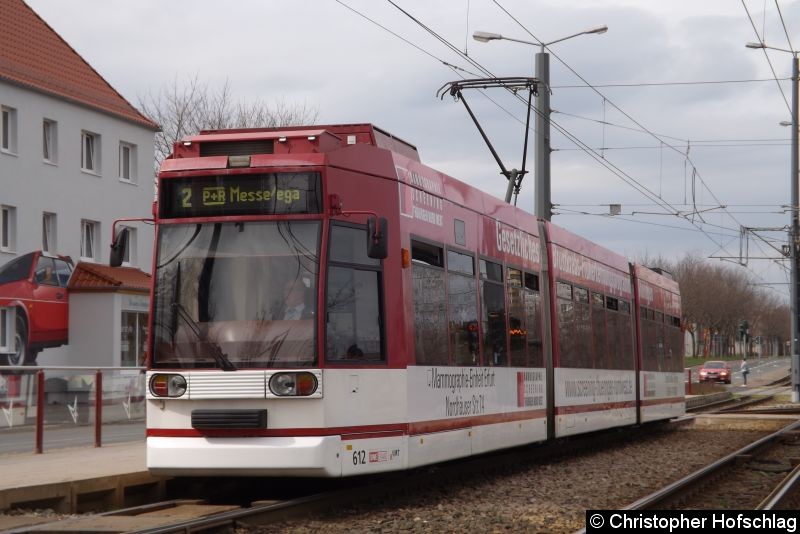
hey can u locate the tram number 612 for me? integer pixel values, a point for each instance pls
(359, 457)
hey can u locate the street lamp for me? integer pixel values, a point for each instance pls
(543, 207)
(794, 229)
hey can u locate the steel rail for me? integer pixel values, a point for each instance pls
(743, 402)
(786, 495)
(775, 410)
(679, 488)
(722, 404)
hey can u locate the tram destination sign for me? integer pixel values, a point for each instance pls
(244, 194)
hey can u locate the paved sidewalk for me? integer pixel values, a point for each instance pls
(77, 479)
(65, 465)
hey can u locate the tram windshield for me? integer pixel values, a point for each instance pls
(236, 294)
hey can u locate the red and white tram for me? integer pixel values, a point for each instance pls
(284, 342)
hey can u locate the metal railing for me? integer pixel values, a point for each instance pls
(26, 395)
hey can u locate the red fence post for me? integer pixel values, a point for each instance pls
(689, 387)
(39, 411)
(98, 407)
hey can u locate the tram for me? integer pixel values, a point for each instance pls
(326, 305)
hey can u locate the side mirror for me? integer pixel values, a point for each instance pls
(118, 248)
(377, 238)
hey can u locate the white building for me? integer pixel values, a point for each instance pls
(108, 308)
(74, 154)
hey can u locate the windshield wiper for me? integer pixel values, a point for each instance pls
(221, 358)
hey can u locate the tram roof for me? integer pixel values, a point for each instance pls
(355, 138)
(344, 134)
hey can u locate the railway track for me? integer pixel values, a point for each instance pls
(731, 404)
(783, 381)
(736, 404)
(774, 410)
(191, 516)
(758, 476)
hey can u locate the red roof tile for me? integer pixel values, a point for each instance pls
(33, 55)
(96, 277)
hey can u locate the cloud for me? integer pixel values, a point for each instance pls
(322, 54)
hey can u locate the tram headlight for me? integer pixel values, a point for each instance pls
(167, 385)
(301, 384)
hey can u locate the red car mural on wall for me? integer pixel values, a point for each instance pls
(34, 287)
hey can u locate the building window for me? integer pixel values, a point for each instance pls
(90, 232)
(8, 130)
(8, 229)
(49, 232)
(133, 339)
(90, 152)
(130, 251)
(127, 162)
(49, 141)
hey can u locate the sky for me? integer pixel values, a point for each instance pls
(368, 61)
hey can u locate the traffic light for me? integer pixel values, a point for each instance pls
(744, 330)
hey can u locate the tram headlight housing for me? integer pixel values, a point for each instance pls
(294, 384)
(167, 385)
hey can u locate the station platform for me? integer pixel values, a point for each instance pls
(78, 479)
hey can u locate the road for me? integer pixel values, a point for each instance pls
(758, 367)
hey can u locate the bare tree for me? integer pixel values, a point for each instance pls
(184, 108)
(717, 298)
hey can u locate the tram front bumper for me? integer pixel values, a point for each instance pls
(307, 456)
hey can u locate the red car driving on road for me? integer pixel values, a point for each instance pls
(34, 286)
(716, 371)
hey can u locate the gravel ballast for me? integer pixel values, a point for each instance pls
(547, 496)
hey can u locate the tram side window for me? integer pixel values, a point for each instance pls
(494, 313)
(644, 325)
(626, 336)
(612, 332)
(517, 329)
(653, 340)
(655, 351)
(533, 320)
(620, 340)
(599, 331)
(461, 297)
(430, 316)
(676, 343)
(649, 353)
(583, 329)
(660, 341)
(566, 325)
(354, 326)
